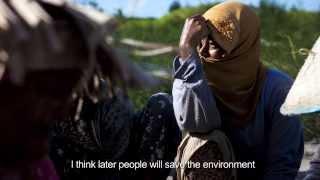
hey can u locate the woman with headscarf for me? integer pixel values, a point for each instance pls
(220, 83)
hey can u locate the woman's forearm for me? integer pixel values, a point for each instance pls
(194, 105)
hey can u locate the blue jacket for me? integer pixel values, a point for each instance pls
(273, 141)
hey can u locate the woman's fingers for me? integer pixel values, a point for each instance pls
(11, 35)
(26, 21)
(38, 22)
(204, 44)
(14, 30)
(195, 28)
(197, 17)
(25, 28)
(4, 24)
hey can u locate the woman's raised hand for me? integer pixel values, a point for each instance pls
(195, 29)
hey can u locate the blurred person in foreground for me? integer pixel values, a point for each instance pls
(37, 78)
(221, 84)
(51, 55)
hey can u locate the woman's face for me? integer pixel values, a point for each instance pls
(209, 48)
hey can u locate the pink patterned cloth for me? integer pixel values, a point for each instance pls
(39, 170)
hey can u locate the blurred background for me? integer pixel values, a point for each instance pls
(148, 32)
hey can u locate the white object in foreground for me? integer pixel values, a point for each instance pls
(304, 95)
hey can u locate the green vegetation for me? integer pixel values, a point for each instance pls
(283, 33)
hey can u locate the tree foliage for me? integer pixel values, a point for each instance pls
(174, 6)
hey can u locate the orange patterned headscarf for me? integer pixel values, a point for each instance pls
(237, 79)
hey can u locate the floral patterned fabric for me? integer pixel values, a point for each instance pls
(111, 131)
(210, 152)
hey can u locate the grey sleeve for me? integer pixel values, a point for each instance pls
(194, 105)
